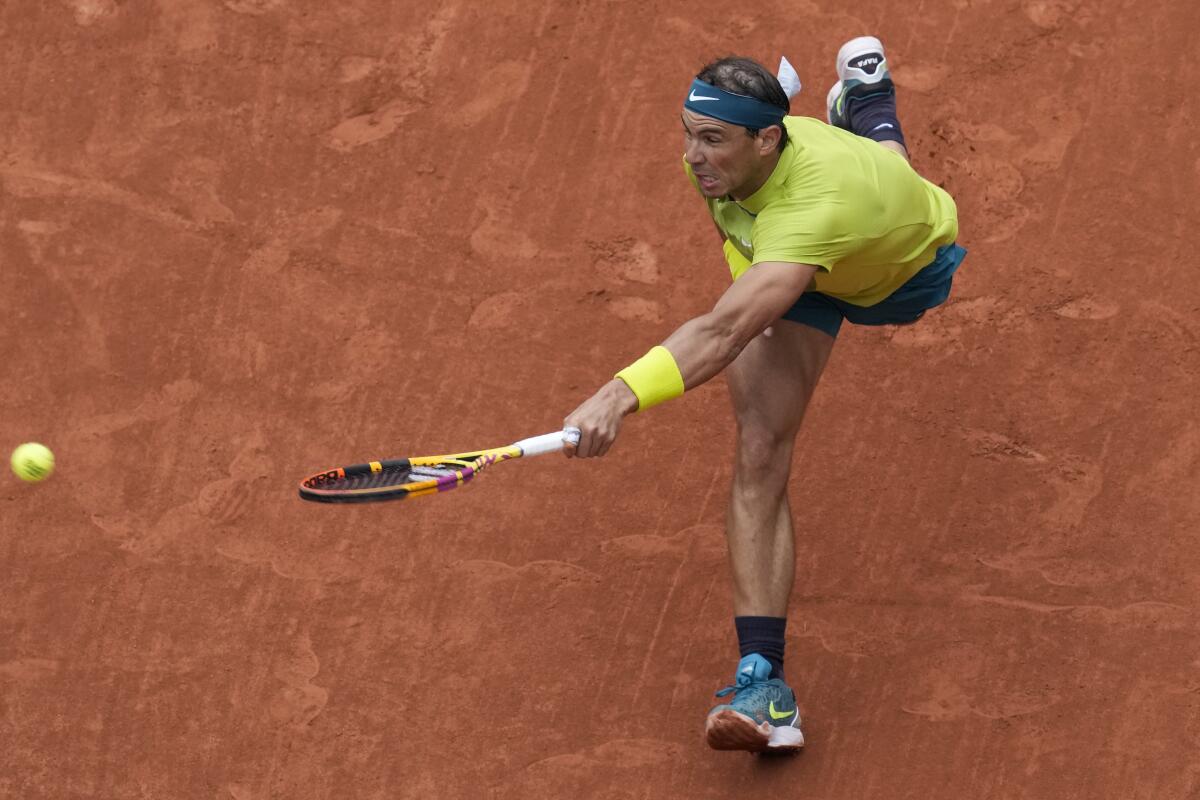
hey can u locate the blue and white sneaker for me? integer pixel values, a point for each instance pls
(762, 716)
(862, 71)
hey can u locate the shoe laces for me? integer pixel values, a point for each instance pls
(746, 688)
(752, 675)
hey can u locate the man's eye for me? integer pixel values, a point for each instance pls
(712, 140)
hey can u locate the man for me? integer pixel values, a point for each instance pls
(820, 224)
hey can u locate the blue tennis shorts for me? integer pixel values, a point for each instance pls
(927, 289)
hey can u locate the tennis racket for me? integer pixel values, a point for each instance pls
(398, 478)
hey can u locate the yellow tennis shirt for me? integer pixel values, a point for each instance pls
(844, 204)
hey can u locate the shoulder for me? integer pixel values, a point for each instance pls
(827, 163)
(800, 125)
(819, 156)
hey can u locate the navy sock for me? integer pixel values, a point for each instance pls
(762, 635)
(873, 115)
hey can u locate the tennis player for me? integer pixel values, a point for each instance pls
(820, 224)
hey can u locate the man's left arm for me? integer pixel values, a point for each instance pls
(700, 348)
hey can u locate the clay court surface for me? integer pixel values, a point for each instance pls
(245, 240)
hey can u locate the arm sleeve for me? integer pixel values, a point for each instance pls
(736, 261)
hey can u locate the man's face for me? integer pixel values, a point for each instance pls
(725, 159)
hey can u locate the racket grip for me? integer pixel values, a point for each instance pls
(548, 443)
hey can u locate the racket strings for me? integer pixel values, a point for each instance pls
(427, 471)
(396, 476)
(388, 476)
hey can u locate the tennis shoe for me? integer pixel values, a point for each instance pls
(761, 717)
(862, 72)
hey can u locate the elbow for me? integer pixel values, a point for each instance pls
(724, 337)
(732, 340)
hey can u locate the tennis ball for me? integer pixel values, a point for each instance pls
(32, 462)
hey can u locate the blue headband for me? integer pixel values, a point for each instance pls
(706, 99)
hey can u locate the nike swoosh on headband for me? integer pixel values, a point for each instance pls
(694, 97)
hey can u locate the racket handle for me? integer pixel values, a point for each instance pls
(548, 443)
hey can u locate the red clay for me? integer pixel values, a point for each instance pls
(245, 240)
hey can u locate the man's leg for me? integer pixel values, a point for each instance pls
(770, 384)
(863, 101)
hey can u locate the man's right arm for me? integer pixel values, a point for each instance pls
(699, 349)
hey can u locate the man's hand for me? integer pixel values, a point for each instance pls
(599, 419)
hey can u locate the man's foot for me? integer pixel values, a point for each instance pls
(762, 717)
(863, 72)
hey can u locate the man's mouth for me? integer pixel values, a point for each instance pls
(707, 181)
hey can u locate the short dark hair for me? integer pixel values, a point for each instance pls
(747, 77)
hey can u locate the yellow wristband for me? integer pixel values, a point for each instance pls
(654, 377)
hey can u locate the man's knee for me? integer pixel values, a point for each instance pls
(763, 454)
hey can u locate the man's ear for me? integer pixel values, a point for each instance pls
(768, 139)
